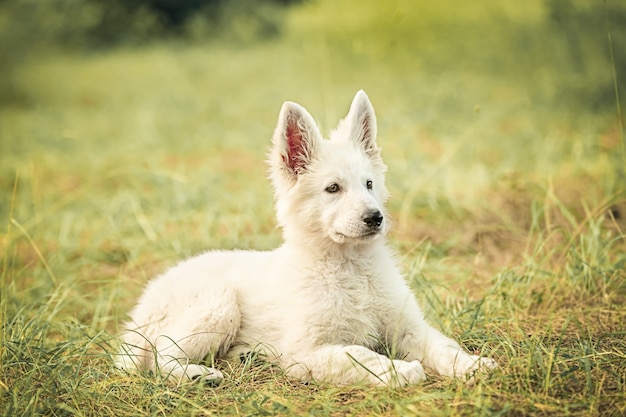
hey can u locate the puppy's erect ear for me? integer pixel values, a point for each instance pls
(363, 123)
(296, 140)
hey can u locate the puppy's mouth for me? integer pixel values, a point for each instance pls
(365, 236)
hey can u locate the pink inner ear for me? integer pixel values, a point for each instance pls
(295, 146)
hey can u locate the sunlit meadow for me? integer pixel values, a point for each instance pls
(500, 125)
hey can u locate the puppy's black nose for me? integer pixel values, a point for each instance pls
(373, 219)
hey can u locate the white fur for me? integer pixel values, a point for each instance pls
(329, 304)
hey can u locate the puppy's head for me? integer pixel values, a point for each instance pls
(329, 189)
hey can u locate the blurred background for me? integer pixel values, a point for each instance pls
(570, 35)
(477, 103)
(449, 59)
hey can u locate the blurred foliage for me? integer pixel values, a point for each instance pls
(99, 23)
(30, 28)
(569, 45)
(593, 35)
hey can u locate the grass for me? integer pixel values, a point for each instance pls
(508, 199)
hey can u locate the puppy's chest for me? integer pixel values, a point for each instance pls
(350, 308)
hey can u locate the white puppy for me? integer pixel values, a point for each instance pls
(329, 304)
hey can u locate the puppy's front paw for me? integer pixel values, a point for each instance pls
(209, 376)
(469, 366)
(406, 373)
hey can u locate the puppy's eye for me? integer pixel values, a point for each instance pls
(369, 184)
(332, 188)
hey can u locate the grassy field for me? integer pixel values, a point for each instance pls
(506, 160)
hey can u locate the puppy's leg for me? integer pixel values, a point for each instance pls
(440, 353)
(344, 365)
(207, 326)
(135, 350)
